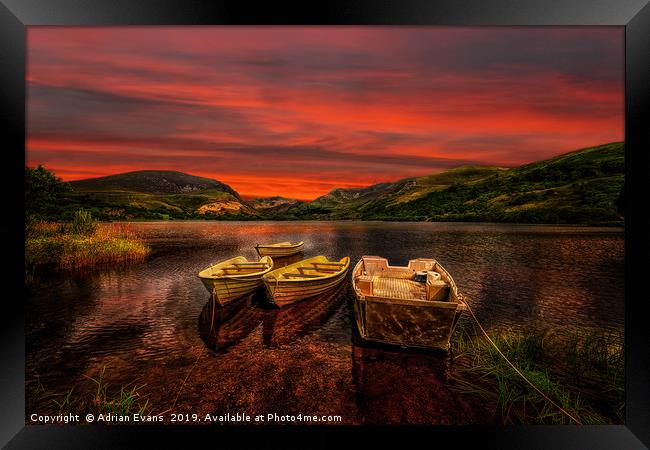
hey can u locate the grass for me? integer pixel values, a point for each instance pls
(81, 243)
(584, 376)
(101, 400)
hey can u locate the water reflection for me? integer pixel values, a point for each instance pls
(285, 325)
(394, 387)
(222, 327)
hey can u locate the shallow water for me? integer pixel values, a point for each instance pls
(152, 322)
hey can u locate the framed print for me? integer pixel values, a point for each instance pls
(359, 219)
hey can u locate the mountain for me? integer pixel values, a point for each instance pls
(153, 182)
(584, 186)
(157, 194)
(356, 202)
(274, 205)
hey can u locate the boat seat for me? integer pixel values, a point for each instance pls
(319, 269)
(300, 275)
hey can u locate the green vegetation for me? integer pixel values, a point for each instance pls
(43, 193)
(100, 400)
(555, 366)
(80, 243)
(585, 186)
(579, 187)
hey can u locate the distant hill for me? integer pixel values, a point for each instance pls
(153, 182)
(274, 205)
(357, 202)
(157, 194)
(584, 186)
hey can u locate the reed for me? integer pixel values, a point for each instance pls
(81, 244)
(551, 365)
(101, 400)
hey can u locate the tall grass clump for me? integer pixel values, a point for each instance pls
(83, 223)
(549, 365)
(99, 399)
(80, 243)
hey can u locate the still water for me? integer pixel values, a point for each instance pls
(152, 323)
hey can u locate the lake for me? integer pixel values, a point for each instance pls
(152, 323)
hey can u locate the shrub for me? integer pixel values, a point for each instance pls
(83, 223)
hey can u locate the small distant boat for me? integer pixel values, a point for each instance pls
(279, 249)
(414, 306)
(304, 279)
(234, 278)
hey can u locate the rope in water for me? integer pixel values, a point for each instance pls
(184, 381)
(516, 369)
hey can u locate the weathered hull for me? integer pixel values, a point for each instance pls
(277, 252)
(287, 292)
(389, 322)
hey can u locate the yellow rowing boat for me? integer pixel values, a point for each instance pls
(414, 306)
(304, 279)
(279, 249)
(234, 278)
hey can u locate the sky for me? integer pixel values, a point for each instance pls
(299, 111)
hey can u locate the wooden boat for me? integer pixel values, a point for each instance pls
(234, 278)
(279, 249)
(304, 279)
(414, 306)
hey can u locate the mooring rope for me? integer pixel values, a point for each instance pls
(184, 381)
(515, 368)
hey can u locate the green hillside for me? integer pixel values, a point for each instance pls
(584, 186)
(154, 194)
(153, 182)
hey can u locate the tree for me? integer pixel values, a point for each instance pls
(43, 192)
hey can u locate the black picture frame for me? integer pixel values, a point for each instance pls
(634, 15)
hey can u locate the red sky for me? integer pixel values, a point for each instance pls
(298, 111)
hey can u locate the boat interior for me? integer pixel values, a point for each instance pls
(238, 266)
(311, 268)
(422, 279)
(281, 244)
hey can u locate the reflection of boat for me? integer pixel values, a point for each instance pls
(389, 388)
(282, 326)
(234, 278)
(414, 306)
(223, 327)
(304, 279)
(279, 249)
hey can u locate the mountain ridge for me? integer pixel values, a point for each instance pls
(581, 186)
